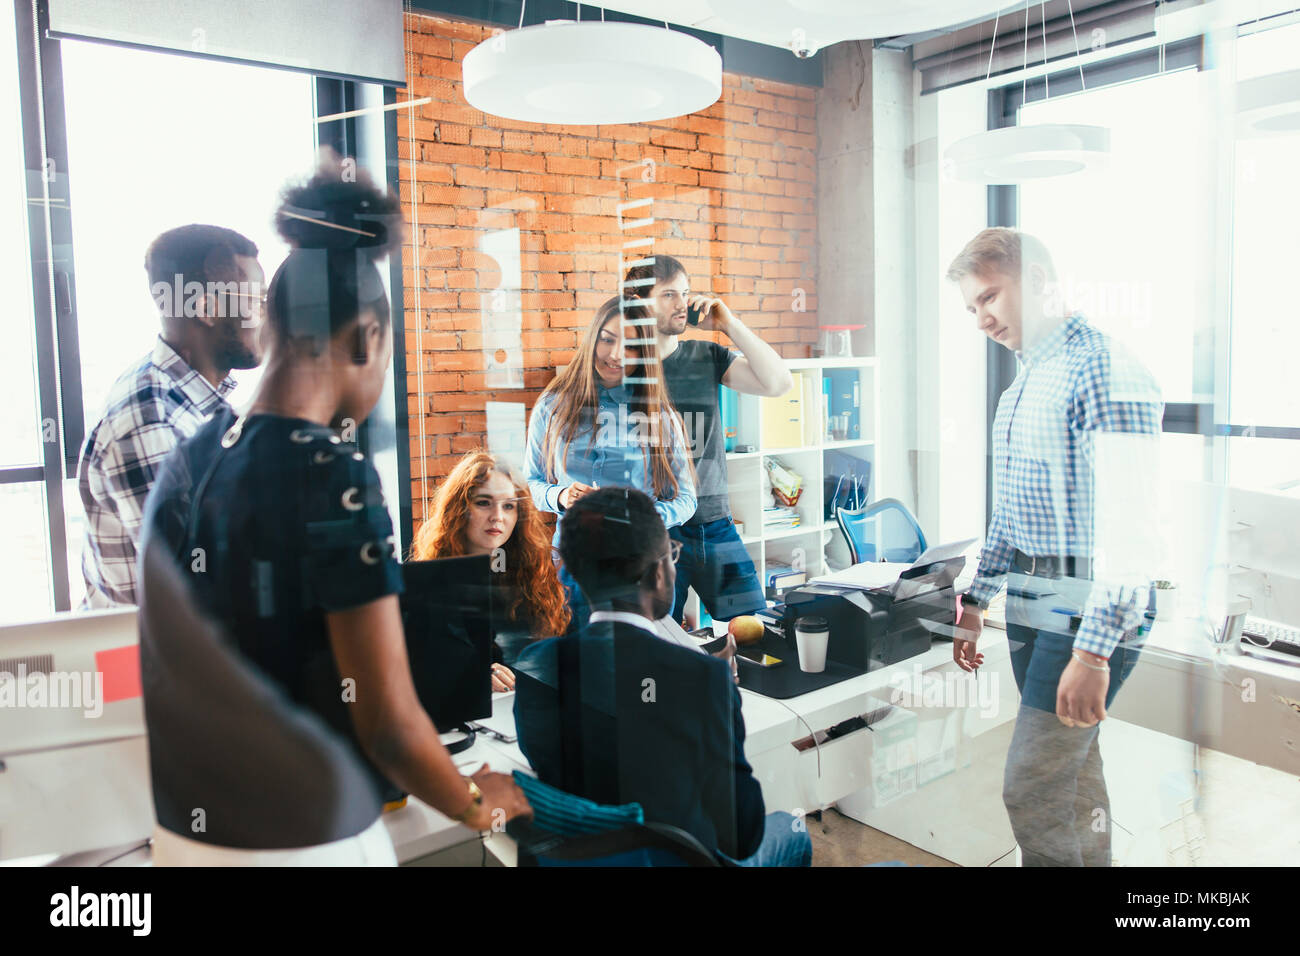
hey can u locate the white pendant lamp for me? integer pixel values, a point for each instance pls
(1018, 154)
(1269, 105)
(805, 26)
(593, 73)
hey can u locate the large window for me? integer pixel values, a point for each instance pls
(214, 143)
(1265, 320)
(25, 567)
(1134, 244)
(1147, 250)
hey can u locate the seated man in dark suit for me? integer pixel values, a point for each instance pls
(619, 714)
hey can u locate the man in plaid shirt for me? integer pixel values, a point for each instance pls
(208, 286)
(1074, 446)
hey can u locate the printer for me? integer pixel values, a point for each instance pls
(873, 627)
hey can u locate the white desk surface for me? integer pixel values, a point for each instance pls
(772, 725)
(1175, 649)
(418, 830)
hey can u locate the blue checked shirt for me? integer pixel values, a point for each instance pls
(1072, 387)
(151, 409)
(613, 456)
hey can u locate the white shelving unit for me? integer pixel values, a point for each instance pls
(815, 539)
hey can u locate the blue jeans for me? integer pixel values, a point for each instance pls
(715, 562)
(784, 843)
(1053, 787)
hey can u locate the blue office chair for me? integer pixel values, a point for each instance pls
(882, 531)
(567, 830)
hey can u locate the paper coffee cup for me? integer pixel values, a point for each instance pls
(811, 635)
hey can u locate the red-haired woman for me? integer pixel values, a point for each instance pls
(479, 508)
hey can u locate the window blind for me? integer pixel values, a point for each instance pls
(350, 39)
(963, 56)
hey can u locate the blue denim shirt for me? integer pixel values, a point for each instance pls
(613, 456)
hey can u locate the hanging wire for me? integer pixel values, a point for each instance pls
(1160, 60)
(947, 67)
(1024, 75)
(522, 7)
(1047, 82)
(993, 43)
(1077, 55)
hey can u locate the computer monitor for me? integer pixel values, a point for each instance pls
(449, 616)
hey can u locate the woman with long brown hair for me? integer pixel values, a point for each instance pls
(481, 508)
(607, 420)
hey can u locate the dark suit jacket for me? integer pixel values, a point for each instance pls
(618, 715)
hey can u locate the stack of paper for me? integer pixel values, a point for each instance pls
(780, 519)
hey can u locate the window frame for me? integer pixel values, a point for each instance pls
(1004, 105)
(53, 276)
(40, 91)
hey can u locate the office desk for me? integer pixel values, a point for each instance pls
(93, 803)
(1190, 688)
(803, 781)
(419, 831)
(72, 800)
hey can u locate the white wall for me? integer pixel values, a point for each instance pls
(888, 224)
(894, 292)
(950, 352)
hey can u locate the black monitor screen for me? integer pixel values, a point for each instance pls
(449, 619)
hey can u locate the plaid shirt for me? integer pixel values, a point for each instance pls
(1072, 387)
(151, 409)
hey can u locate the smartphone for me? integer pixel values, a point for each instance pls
(713, 646)
(755, 655)
(693, 315)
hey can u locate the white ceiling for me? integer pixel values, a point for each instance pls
(686, 13)
(773, 21)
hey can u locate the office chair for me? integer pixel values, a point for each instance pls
(900, 537)
(568, 830)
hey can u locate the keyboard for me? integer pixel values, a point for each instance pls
(1271, 640)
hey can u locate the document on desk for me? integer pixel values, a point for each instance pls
(502, 721)
(869, 575)
(883, 575)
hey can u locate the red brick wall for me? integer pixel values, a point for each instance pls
(734, 197)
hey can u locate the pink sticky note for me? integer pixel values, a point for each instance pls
(121, 669)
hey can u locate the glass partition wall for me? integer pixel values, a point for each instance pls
(1169, 255)
(815, 206)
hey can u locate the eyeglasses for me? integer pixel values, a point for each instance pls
(258, 300)
(674, 550)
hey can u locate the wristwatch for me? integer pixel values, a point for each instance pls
(476, 801)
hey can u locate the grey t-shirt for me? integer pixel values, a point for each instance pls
(693, 373)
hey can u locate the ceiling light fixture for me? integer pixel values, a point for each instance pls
(1269, 105)
(805, 26)
(573, 73)
(1016, 154)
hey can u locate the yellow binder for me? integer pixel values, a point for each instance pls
(783, 417)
